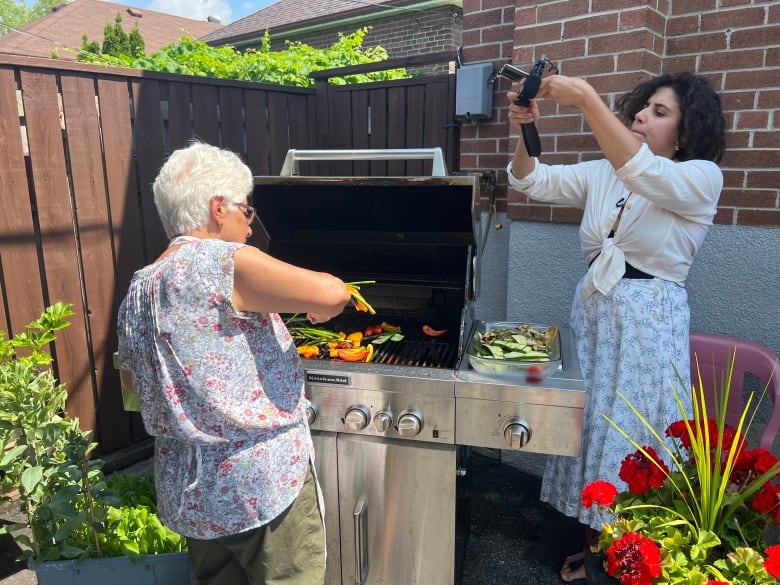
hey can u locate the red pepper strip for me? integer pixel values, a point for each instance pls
(431, 332)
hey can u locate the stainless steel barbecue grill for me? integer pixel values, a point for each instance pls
(392, 435)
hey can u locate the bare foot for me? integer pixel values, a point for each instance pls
(574, 574)
(573, 568)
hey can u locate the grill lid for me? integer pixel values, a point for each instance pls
(416, 229)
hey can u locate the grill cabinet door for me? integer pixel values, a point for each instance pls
(397, 508)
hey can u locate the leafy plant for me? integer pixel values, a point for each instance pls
(71, 511)
(190, 56)
(704, 520)
(116, 42)
(133, 527)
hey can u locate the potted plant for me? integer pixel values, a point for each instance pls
(80, 527)
(703, 521)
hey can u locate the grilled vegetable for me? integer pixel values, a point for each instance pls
(308, 351)
(431, 332)
(312, 335)
(340, 344)
(516, 343)
(385, 326)
(360, 303)
(372, 330)
(382, 337)
(356, 337)
(356, 354)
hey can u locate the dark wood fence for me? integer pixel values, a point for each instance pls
(81, 146)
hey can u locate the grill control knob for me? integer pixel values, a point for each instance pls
(357, 418)
(311, 413)
(383, 421)
(517, 433)
(410, 424)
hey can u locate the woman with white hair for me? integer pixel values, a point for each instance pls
(220, 381)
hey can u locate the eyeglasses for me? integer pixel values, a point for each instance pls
(249, 212)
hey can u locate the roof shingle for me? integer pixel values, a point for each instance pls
(285, 13)
(64, 27)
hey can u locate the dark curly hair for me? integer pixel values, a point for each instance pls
(702, 131)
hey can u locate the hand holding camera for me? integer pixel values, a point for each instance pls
(526, 93)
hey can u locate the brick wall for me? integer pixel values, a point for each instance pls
(615, 44)
(424, 32)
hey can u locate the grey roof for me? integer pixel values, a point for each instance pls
(65, 24)
(293, 14)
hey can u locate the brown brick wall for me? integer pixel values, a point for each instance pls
(615, 44)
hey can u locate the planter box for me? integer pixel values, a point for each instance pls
(164, 569)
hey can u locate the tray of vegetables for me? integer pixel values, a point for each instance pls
(504, 347)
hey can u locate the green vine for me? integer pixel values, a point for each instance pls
(189, 56)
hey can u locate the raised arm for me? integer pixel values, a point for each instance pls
(617, 142)
(264, 284)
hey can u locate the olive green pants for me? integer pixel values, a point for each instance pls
(290, 550)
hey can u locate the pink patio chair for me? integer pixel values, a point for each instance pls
(713, 353)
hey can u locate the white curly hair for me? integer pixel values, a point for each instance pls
(190, 178)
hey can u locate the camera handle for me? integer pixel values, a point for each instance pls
(528, 92)
(530, 134)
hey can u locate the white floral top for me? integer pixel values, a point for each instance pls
(221, 391)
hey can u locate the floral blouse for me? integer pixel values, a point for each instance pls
(221, 391)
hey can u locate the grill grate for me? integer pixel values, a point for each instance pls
(416, 348)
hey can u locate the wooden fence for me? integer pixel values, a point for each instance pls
(82, 145)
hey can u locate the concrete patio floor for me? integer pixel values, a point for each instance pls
(512, 538)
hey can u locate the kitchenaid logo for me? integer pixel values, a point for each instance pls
(327, 379)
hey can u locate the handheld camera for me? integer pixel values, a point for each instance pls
(528, 92)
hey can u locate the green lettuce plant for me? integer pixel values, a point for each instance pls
(71, 511)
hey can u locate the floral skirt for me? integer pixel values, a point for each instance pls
(633, 340)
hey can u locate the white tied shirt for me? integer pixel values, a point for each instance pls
(664, 222)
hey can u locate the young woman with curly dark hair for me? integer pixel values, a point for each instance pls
(647, 206)
(700, 134)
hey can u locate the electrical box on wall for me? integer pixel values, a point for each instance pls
(474, 91)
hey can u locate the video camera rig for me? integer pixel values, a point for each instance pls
(526, 93)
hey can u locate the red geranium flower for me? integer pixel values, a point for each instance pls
(767, 498)
(753, 462)
(772, 563)
(678, 430)
(637, 559)
(640, 473)
(601, 492)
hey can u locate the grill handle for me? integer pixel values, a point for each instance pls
(294, 156)
(360, 519)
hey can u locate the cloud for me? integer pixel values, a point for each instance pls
(195, 9)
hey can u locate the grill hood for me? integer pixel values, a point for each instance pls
(390, 229)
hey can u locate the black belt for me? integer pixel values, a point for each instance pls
(631, 272)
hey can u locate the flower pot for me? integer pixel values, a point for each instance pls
(167, 569)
